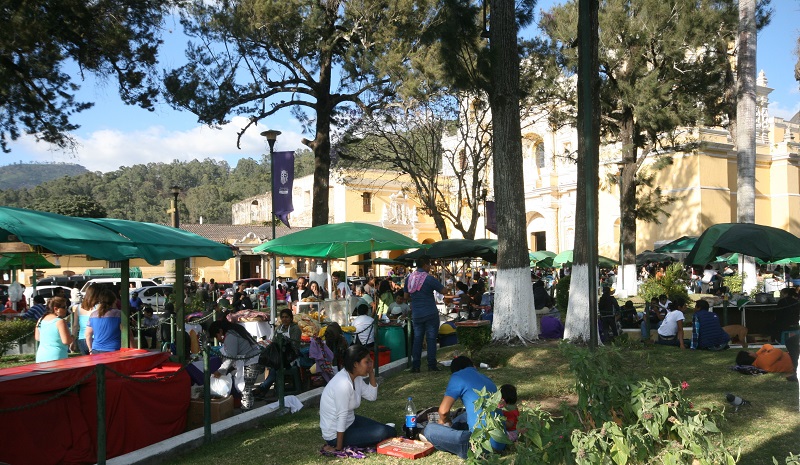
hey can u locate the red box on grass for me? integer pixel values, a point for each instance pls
(384, 355)
(405, 448)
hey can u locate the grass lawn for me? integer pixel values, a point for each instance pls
(770, 427)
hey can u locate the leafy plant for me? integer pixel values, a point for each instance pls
(493, 427)
(474, 338)
(734, 283)
(673, 284)
(11, 333)
(614, 422)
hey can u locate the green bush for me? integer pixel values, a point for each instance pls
(734, 283)
(12, 331)
(474, 338)
(673, 284)
(616, 421)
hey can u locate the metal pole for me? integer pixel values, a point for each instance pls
(179, 333)
(125, 299)
(101, 414)
(281, 375)
(272, 136)
(206, 397)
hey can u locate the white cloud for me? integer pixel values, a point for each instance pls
(108, 149)
(781, 111)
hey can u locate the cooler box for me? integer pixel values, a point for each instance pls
(384, 355)
(220, 410)
(447, 334)
(393, 337)
(405, 448)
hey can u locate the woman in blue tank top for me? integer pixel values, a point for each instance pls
(80, 318)
(51, 332)
(104, 330)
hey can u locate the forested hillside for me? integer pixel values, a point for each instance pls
(143, 192)
(20, 175)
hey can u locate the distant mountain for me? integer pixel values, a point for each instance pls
(30, 175)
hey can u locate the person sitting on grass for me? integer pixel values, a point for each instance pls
(670, 332)
(707, 333)
(510, 411)
(340, 426)
(465, 383)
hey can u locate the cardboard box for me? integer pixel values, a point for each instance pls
(405, 448)
(221, 408)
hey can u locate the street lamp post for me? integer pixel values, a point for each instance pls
(180, 334)
(272, 136)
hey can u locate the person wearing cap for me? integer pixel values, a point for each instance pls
(465, 383)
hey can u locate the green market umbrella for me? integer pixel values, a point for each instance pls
(755, 240)
(30, 261)
(541, 258)
(565, 258)
(156, 242)
(651, 256)
(378, 261)
(62, 235)
(683, 244)
(340, 240)
(733, 259)
(455, 249)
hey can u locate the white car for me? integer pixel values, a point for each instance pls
(154, 296)
(44, 291)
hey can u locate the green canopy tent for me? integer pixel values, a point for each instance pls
(454, 249)
(135, 272)
(105, 239)
(682, 244)
(755, 240)
(565, 258)
(378, 261)
(650, 256)
(339, 240)
(17, 260)
(733, 259)
(541, 258)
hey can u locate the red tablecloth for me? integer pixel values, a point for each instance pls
(64, 430)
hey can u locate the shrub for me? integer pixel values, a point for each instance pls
(673, 284)
(11, 333)
(616, 421)
(734, 283)
(474, 338)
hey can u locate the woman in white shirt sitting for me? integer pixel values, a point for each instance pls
(340, 426)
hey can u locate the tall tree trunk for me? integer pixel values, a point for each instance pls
(628, 204)
(514, 309)
(582, 307)
(322, 145)
(746, 128)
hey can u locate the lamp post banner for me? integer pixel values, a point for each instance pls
(491, 217)
(282, 180)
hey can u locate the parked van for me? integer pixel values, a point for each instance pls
(114, 283)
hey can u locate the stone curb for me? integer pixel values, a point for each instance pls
(165, 451)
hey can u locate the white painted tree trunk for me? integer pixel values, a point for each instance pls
(626, 284)
(577, 324)
(514, 315)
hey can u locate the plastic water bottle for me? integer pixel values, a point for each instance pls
(410, 425)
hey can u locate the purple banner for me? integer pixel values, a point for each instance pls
(491, 217)
(282, 180)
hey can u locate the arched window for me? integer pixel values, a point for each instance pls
(540, 155)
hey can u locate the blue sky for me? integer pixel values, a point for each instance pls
(113, 134)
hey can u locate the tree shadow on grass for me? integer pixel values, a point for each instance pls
(786, 441)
